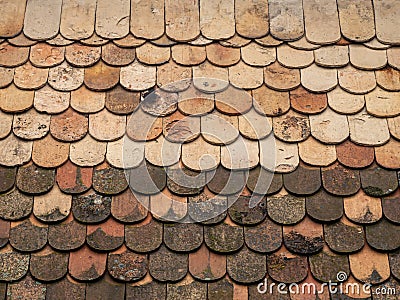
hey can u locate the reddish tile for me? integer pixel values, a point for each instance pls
(84, 264)
(67, 235)
(126, 265)
(6, 76)
(121, 101)
(182, 237)
(28, 77)
(224, 238)
(308, 103)
(125, 207)
(145, 236)
(354, 156)
(73, 179)
(117, 56)
(101, 77)
(388, 155)
(106, 236)
(69, 126)
(239, 264)
(48, 265)
(32, 179)
(11, 56)
(13, 19)
(340, 181)
(388, 79)
(91, 207)
(165, 265)
(49, 153)
(152, 55)
(206, 265)
(28, 235)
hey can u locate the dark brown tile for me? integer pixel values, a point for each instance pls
(391, 206)
(394, 261)
(225, 182)
(145, 236)
(326, 265)
(86, 265)
(68, 235)
(69, 126)
(182, 181)
(324, 207)
(340, 181)
(108, 180)
(286, 209)
(147, 179)
(378, 182)
(241, 213)
(384, 235)
(14, 205)
(127, 208)
(125, 265)
(246, 266)
(183, 237)
(207, 207)
(28, 235)
(264, 237)
(91, 207)
(224, 237)
(14, 264)
(72, 179)
(308, 103)
(66, 289)
(108, 235)
(386, 290)
(165, 265)
(353, 155)
(257, 179)
(48, 265)
(206, 265)
(147, 289)
(187, 289)
(105, 289)
(220, 290)
(7, 178)
(27, 288)
(32, 179)
(121, 101)
(4, 232)
(304, 180)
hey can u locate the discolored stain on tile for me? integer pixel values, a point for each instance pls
(225, 182)
(304, 180)
(105, 126)
(49, 153)
(138, 77)
(6, 76)
(32, 179)
(210, 79)
(220, 290)
(356, 81)
(286, 209)
(53, 206)
(180, 129)
(65, 78)
(340, 181)
(224, 238)
(257, 55)
(188, 55)
(165, 265)
(77, 19)
(344, 236)
(79, 55)
(146, 289)
(239, 265)
(91, 207)
(383, 236)
(85, 264)
(327, 78)
(261, 181)
(13, 99)
(287, 22)
(286, 155)
(73, 179)
(326, 265)
(7, 178)
(265, 237)
(31, 125)
(353, 155)
(11, 56)
(121, 101)
(67, 235)
(378, 182)
(13, 18)
(101, 77)
(47, 100)
(117, 56)
(332, 56)
(106, 236)
(270, 102)
(294, 58)
(14, 205)
(344, 102)
(314, 153)
(388, 79)
(391, 208)
(206, 265)
(48, 265)
(252, 20)
(291, 127)
(45, 55)
(183, 237)
(28, 235)
(27, 288)
(366, 58)
(240, 211)
(66, 288)
(305, 102)
(145, 236)
(127, 208)
(87, 152)
(15, 151)
(286, 267)
(172, 77)
(222, 56)
(324, 207)
(126, 266)
(381, 103)
(363, 209)
(217, 19)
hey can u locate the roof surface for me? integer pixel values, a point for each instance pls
(165, 96)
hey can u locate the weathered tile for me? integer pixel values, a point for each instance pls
(4, 233)
(291, 127)
(13, 18)
(388, 155)
(13, 99)
(14, 151)
(251, 21)
(233, 101)
(286, 209)
(112, 19)
(383, 236)
(324, 207)
(278, 156)
(121, 101)
(286, 19)
(257, 55)
(32, 179)
(49, 153)
(242, 213)
(106, 288)
(66, 288)
(28, 235)
(79, 55)
(48, 265)
(146, 289)
(77, 19)
(94, 40)
(340, 181)
(68, 126)
(269, 102)
(137, 132)
(6, 76)
(394, 126)
(101, 77)
(65, 78)
(107, 236)
(220, 290)
(345, 103)
(263, 182)
(315, 153)
(393, 57)
(362, 124)
(27, 288)
(14, 205)
(183, 237)
(356, 81)
(303, 44)
(321, 21)
(87, 152)
(388, 79)
(6, 121)
(151, 54)
(162, 152)
(294, 58)
(344, 236)
(265, 237)
(21, 40)
(147, 179)
(105, 126)
(245, 77)
(353, 155)
(45, 55)
(188, 55)
(306, 102)
(172, 77)
(195, 102)
(206, 265)
(332, 56)
(367, 59)
(253, 125)
(145, 236)
(304, 180)
(193, 155)
(108, 180)
(329, 127)
(181, 129)
(166, 206)
(386, 20)
(391, 207)
(217, 20)
(182, 20)
(222, 56)
(73, 179)
(42, 19)
(50, 101)
(7, 178)
(126, 265)
(370, 266)
(165, 265)
(31, 125)
(224, 238)
(239, 264)
(91, 207)
(327, 78)
(280, 78)
(53, 206)
(59, 40)
(126, 207)
(147, 18)
(390, 285)
(375, 44)
(207, 208)
(219, 129)
(381, 103)
(86, 101)
(187, 288)
(362, 208)
(125, 153)
(208, 78)
(85, 264)
(67, 235)
(394, 263)
(378, 182)
(138, 77)
(14, 264)
(117, 56)
(11, 56)
(200, 41)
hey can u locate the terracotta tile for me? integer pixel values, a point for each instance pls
(130, 158)
(6, 76)
(286, 20)
(394, 126)
(59, 40)
(332, 56)
(195, 102)
(294, 58)
(206, 265)
(65, 289)
(173, 78)
(304, 180)
(112, 19)
(207, 207)
(315, 153)
(356, 81)
(340, 181)
(329, 127)
(246, 77)
(87, 152)
(383, 236)
(284, 266)
(270, 102)
(388, 155)
(220, 290)
(257, 55)
(147, 19)
(45, 55)
(280, 78)
(13, 99)
(366, 58)
(327, 78)
(188, 55)
(326, 265)
(146, 289)
(147, 179)
(208, 78)
(217, 20)
(4, 233)
(21, 40)
(182, 20)
(138, 77)
(14, 264)
(67, 235)
(187, 288)
(105, 126)
(85, 264)
(49, 153)
(53, 206)
(48, 12)
(303, 44)
(305, 102)
(151, 54)
(27, 288)
(291, 127)
(382, 103)
(200, 41)
(65, 78)
(28, 235)
(225, 182)
(180, 129)
(344, 236)
(286, 155)
(32, 179)
(48, 265)
(321, 22)
(50, 101)
(353, 155)
(385, 15)
(11, 56)
(224, 238)
(162, 152)
(324, 207)
(13, 18)
(108, 180)
(286, 209)
(362, 124)
(166, 206)
(127, 208)
(77, 19)
(222, 56)
(6, 121)
(86, 101)
(362, 208)
(15, 151)
(158, 102)
(236, 41)
(101, 77)
(121, 101)
(233, 101)
(393, 57)
(106, 236)
(14, 205)
(117, 56)
(253, 125)
(94, 40)
(261, 181)
(165, 265)
(391, 208)
(344, 102)
(69, 126)
(388, 79)
(378, 182)
(375, 44)
(31, 125)
(370, 266)
(91, 207)
(145, 236)
(211, 125)
(193, 155)
(252, 21)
